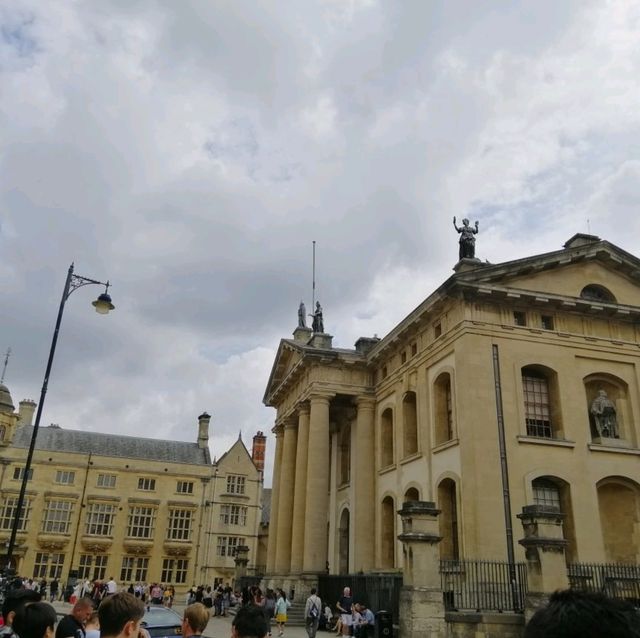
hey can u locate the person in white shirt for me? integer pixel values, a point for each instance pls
(312, 613)
(112, 587)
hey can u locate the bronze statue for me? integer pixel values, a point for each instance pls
(302, 315)
(603, 410)
(318, 321)
(467, 239)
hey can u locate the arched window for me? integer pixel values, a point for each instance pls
(386, 438)
(343, 543)
(595, 292)
(410, 423)
(448, 520)
(388, 533)
(411, 494)
(345, 453)
(443, 404)
(541, 405)
(553, 491)
(619, 505)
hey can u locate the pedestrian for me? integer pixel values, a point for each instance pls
(73, 624)
(282, 604)
(312, 613)
(195, 620)
(14, 600)
(120, 616)
(35, 620)
(249, 622)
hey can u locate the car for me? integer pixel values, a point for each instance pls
(162, 622)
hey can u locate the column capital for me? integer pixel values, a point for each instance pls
(278, 429)
(291, 423)
(303, 408)
(321, 397)
(364, 402)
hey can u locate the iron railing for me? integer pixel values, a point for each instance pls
(378, 591)
(617, 580)
(483, 585)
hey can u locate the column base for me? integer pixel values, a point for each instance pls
(422, 613)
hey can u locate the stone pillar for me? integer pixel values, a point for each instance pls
(300, 493)
(317, 500)
(363, 460)
(421, 601)
(285, 502)
(241, 561)
(544, 546)
(275, 499)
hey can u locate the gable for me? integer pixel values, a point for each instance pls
(287, 358)
(569, 280)
(237, 460)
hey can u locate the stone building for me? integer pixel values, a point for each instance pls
(133, 508)
(510, 385)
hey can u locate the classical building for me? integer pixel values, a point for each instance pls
(138, 509)
(512, 384)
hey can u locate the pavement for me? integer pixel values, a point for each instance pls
(219, 626)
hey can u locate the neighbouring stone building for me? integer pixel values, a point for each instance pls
(512, 385)
(138, 509)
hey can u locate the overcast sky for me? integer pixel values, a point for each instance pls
(191, 151)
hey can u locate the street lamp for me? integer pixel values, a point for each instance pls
(102, 305)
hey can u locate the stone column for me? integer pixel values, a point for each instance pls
(363, 460)
(275, 499)
(285, 502)
(317, 498)
(300, 493)
(241, 561)
(421, 600)
(544, 546)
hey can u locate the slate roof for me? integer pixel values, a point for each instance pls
(57, 439)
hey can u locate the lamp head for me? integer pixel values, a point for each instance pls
(103, 303)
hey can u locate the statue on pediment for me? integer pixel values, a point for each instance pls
(302, 315)
(467, 239)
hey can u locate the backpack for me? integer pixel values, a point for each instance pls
(313, 612)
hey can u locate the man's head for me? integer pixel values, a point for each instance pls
(346, 591)
(574, 614)
(313, 591)
(195, 619)
(81, 611)
(15, 599)
(249, 622)
(120, 615)
(35, 620)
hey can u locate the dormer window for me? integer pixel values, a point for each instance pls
(594, 292)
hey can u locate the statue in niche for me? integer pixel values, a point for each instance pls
(302, 315)
(603, 410)
(318, 321)
(467, 239)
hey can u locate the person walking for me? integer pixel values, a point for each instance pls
(282, 604)
(312, 611)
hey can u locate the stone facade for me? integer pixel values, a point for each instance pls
(132, 508)
(414, 416)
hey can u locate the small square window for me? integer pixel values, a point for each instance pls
(519, 318)
(184, 487)
(147, 484)
(547, 322)
(64, 477)
(437, 330)
(414, 349)
(403, 357)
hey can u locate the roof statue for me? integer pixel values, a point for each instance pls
(302, 315)
(318, 321)
(467, 239)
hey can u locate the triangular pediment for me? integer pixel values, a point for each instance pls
(287, 358)
(236, 459)
(598, 265)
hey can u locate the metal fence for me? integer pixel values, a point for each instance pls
(482, 585)
(379, 591)
(617, 580)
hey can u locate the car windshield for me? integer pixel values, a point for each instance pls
(159, 616)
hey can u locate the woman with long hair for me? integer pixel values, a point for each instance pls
(282, 604)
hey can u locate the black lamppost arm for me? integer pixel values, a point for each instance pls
(103, 305)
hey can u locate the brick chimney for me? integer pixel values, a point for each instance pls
(259, 448)
(26, 410)
(203, 430)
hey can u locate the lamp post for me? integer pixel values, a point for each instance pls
(102, 305)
